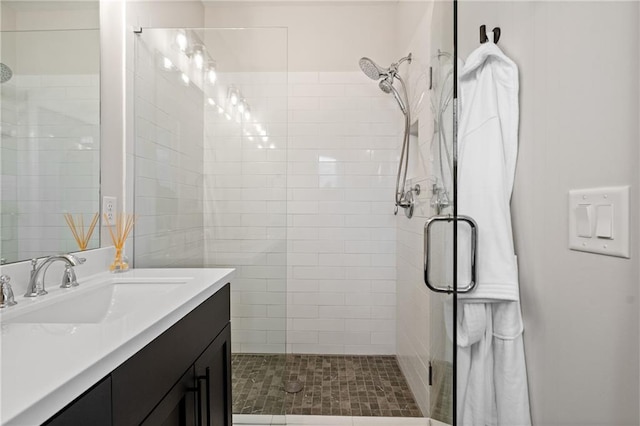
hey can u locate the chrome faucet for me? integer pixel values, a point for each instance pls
(6, 295)
(36, 288)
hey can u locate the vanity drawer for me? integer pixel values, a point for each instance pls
(142, 381)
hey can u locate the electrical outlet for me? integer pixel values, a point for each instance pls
(109, 208)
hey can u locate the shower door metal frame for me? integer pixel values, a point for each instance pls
(454, 219)
(454, 361)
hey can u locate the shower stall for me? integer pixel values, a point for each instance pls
(245, 158)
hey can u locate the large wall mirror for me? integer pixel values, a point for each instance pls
(50, 127)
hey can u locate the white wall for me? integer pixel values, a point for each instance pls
(49, 15)
(322, 34)
(579, 109)
(7, 18)
(113, 105)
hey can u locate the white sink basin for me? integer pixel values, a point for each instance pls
(101, 303)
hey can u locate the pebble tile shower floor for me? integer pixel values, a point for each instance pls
(334, 385)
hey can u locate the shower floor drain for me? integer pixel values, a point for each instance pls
(293, 386)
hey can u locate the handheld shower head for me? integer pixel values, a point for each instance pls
(386, 85)
(371, 69)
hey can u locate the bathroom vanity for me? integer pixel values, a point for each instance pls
(157, 353)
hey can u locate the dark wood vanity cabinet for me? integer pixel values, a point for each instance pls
(182, 378)
(91, 408)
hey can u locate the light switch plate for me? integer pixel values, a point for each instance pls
(618, 198)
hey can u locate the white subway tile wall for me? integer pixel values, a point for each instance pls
(307, 215)
(341, 253)
(169, 118)
(50, 160)
(245, 188)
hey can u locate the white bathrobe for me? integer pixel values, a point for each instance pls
(492, 381)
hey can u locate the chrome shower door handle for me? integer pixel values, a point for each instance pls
(440, 287)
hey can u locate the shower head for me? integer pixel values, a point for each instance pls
(386, 77)
(371, 69)
(5, 73)
(386, 85)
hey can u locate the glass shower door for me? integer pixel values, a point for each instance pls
(440, 226)
(477, 360)
(210, 183)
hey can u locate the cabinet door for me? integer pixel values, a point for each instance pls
(214, 369)
(177, 408)
(91, 408)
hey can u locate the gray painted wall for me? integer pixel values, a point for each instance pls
(578, 129)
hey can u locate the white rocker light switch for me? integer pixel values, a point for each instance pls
(604, 222)
(583, 220)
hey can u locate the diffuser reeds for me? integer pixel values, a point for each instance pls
(78, 231)
(119, 233)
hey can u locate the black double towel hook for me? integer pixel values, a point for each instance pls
(483, 34)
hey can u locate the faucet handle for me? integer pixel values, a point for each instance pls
(34, 267)
(7, 292)
(69, 278)
(75, 260)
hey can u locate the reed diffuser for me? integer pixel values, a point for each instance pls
(78, 231)
(119, 233)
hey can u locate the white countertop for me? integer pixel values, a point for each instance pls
(46, 366)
